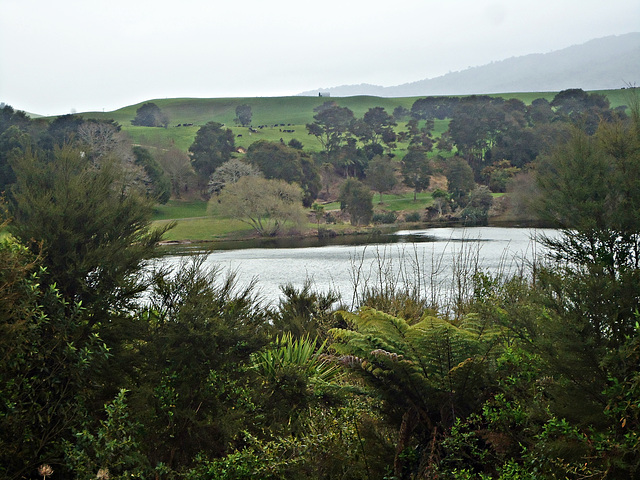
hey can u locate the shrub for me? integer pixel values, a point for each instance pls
(385, 217)
(412, 217)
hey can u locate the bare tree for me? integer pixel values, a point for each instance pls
(177, 166)
(230, 172)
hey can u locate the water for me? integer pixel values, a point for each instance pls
(430, 261)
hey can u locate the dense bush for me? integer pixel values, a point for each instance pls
(412, 217)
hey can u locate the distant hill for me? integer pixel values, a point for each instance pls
(605, 63)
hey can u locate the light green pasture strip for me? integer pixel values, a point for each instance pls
(204, 229)
(403, 202)
(176, 209)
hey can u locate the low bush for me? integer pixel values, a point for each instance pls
(385, 217)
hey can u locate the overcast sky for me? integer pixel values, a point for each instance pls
(62, 55)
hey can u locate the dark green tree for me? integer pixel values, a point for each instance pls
(48, 363)
(150, 115)
(590, 189)
(416, 171)
(357, 200)
(276, 160)
(212, 146)
(400, 113)
(540, 111)
(243, 115)
(381, 175)
(14, 143)
(377, 127)
(94, 228)
(430, 108)
(189, 379)
(583, 109)
(459, 178)
(60, 131)
(295, 143)
(331, 125)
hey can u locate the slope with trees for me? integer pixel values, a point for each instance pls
(533, 375)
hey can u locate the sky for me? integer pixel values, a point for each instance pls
(62, 56)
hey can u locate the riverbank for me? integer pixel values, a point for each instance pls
(194, 227)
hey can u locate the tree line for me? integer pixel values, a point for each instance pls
(531, 376)
(489, 144)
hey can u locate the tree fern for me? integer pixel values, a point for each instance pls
(429, 373)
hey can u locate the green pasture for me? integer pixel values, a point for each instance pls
(274, 114)
(295, 110)
(205, 229)
(401, 202)
(177, 209)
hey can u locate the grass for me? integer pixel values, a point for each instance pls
(205, 229)
(402, 202)
(193, 222)
(178, 209)
(293, 112)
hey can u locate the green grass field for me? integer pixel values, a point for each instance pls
(274, 114)
(293, 112)
(203, 229)
(177, 209)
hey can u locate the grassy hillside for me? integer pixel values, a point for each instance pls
(292, 112)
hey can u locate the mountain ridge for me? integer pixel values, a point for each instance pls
(603, 63)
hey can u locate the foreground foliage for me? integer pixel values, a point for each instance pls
(535, 376)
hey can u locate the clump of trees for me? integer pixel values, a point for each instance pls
(150, 115)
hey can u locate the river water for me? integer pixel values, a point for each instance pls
(433, 262)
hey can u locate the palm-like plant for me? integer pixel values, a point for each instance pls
(427, 374)
(297, 377)
(302, 354)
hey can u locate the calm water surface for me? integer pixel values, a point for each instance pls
(427, 260)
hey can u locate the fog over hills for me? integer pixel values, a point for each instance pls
(604, 63)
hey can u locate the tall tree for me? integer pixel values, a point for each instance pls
(212, 146)
(243, 115)
(331, 126)
(416, 171)
(381, 175)
(459, 178)
(376, 127)
(94, 228)
(150, 115)
(276, 160)
(357, 200)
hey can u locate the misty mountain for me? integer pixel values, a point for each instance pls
(604, 63)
